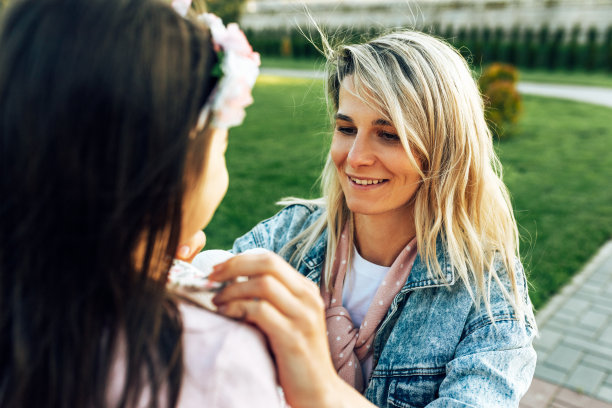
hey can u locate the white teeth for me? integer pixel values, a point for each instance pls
(366, 182)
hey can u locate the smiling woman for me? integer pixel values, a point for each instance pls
(419, 297)
(377, 178)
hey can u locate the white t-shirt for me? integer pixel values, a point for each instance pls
(360, 286)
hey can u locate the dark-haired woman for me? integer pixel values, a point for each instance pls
(113, 130)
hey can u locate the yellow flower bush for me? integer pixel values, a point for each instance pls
(503, 105)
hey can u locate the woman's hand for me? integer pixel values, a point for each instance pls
(186, 251)
(289, 309)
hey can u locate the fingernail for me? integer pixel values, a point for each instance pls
(222, 309)
(183, 251)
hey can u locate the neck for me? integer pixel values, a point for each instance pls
(380, 238)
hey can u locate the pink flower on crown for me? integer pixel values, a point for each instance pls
(240, 68)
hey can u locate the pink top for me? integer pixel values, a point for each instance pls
(226, 363)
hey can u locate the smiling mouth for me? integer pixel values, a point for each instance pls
(367, 182)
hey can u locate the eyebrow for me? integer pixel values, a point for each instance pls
(377, 122)
(345, 118)
(382, 122)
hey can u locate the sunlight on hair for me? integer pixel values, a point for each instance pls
(426, 89)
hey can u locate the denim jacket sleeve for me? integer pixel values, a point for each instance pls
(494, 361)
(494, 376)
(275, 232)
(440, 350)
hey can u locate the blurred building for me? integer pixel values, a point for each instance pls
(447, 15)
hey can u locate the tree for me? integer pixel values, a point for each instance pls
(228, 10)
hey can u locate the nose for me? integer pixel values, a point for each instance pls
(361, 153)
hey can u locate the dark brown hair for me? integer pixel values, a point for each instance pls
(98, 99)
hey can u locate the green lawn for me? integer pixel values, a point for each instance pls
(569, 78)
(557, 167)
(557, 77)
(558, 170)
(277, 152)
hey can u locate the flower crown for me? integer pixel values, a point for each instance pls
(237, 68)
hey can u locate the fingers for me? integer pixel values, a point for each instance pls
(270, 264)
(276, 284)
(299, 345)
(266, 288)
(189, 249)
(289, 310)
(286, 336)
(258, 312)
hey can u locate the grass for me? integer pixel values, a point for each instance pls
(277, 152)
(557, 168)
(599, 78)
(558, 171)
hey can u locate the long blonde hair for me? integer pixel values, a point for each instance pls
(424, 87)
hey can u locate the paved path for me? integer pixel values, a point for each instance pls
(575, 344)
(589, 94)
(574, 368)
(543, 394)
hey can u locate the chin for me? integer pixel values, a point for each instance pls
(363, 208)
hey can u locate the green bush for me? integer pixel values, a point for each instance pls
(607, 50)
(228, 10)
(503, 104)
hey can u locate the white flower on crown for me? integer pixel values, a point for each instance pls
(181, 6)
(239, 67)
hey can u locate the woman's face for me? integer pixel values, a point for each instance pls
(373, 167)
(202, 200)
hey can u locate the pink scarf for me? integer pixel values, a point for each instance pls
(350, 345)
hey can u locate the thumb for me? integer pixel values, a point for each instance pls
(189, 249)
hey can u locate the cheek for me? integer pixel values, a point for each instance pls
(400, 164)
(213, 186)
(225, 178)
(217, 180)
(338, 152)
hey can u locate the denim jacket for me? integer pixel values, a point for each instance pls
(434, 348)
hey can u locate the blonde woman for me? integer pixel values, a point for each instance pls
(410, 291)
